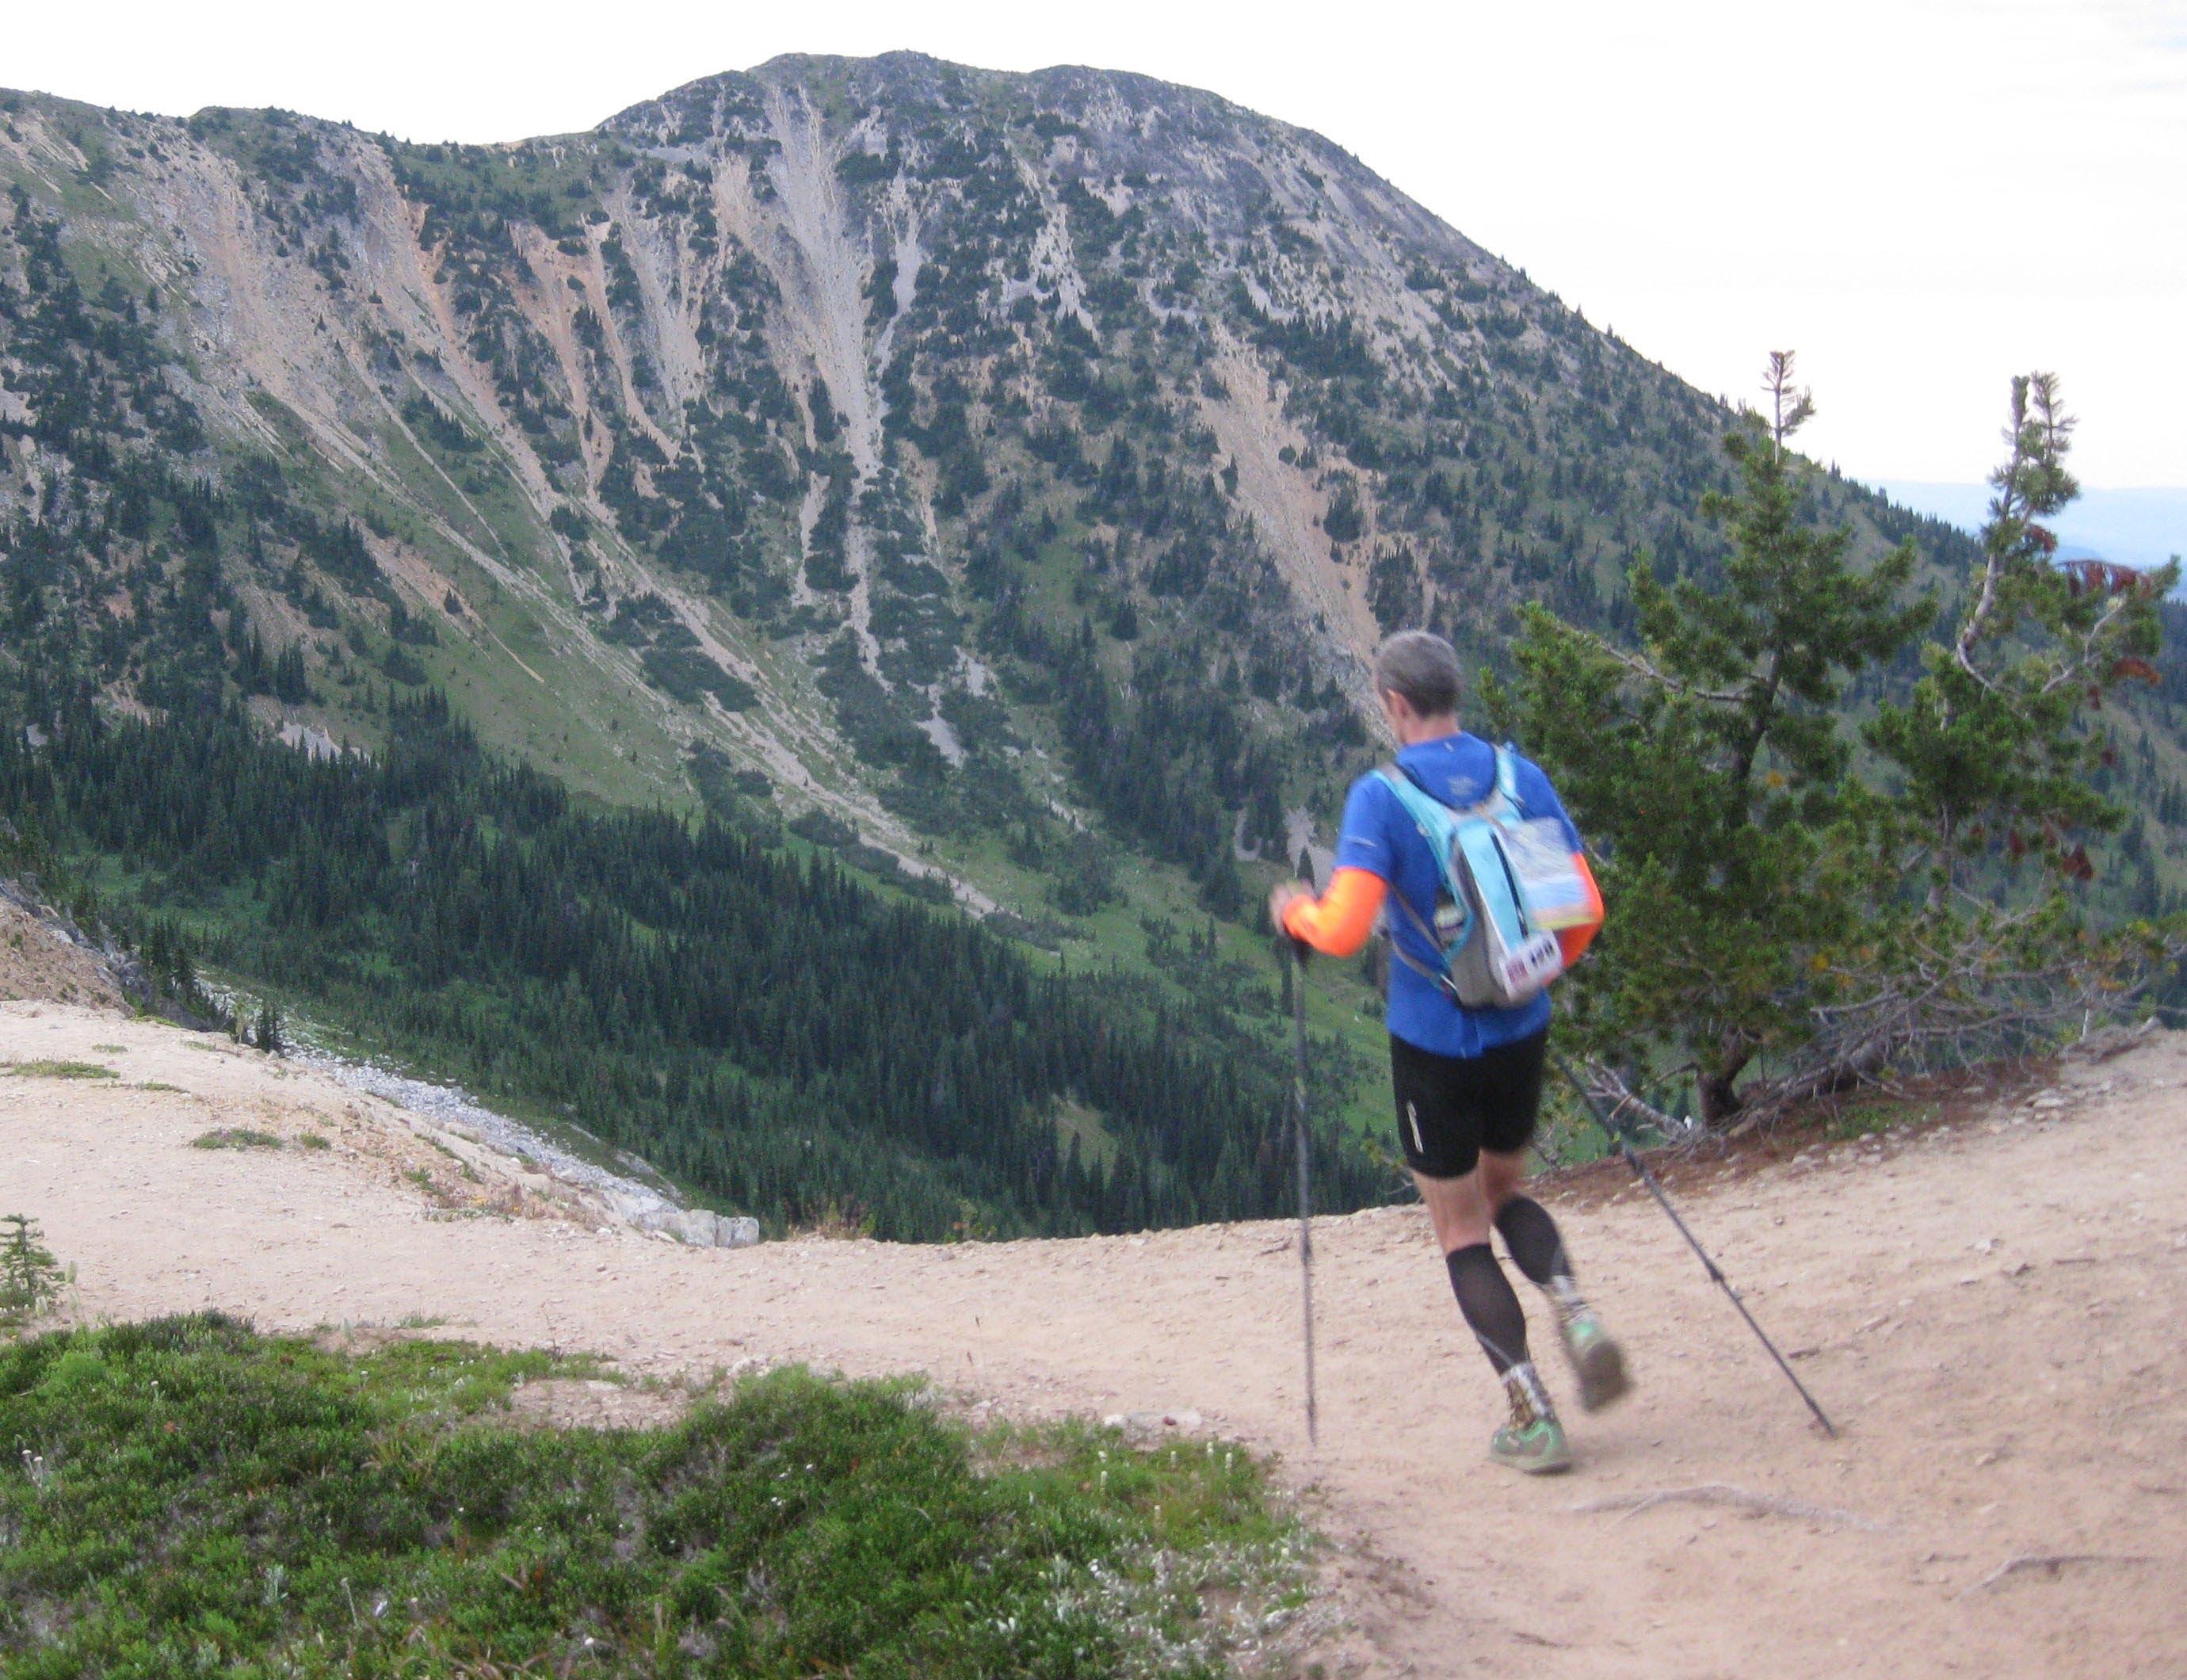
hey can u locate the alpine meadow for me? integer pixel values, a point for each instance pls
(793, 629)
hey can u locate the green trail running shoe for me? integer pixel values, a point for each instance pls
(1538, 1448)
(1533, 1440)
(1597, 1361)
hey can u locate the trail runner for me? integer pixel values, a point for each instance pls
(1468, 1081)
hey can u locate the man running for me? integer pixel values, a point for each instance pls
(1468, 1081)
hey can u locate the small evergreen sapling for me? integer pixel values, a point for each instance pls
(30, 1276)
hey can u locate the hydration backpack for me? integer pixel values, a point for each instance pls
(1509, 885)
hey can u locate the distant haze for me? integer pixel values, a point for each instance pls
(2136, 527)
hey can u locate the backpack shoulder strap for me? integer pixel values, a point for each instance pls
(1419, 801)
(1421, 805)
(1438, 825)
(1507, 776)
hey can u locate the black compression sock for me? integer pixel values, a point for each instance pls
(1531, 1236)
(1535, 1244)
(1491, 1305)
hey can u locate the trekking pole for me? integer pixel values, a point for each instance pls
(1624, 1147)
(1305, 1201)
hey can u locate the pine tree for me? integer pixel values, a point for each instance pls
(1767, 898)
(1993, 743)
(289, 683)
(1996, 749)
(1706, 768)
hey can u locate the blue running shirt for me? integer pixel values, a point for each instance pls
(1380, 838)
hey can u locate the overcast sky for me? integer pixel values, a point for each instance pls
(1921, 197)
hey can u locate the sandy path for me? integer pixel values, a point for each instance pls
(2030, 1396)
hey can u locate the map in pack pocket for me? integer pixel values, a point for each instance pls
(1551, 886)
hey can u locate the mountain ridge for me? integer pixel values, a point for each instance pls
(248, 298)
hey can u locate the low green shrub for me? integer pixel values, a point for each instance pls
(235, 1138)
(47, 1070)
(185, 1496)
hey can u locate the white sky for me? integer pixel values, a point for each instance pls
(1921, 197)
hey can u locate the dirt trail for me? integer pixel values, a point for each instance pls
(1989, 1309)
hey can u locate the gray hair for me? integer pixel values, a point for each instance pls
(1423, 668)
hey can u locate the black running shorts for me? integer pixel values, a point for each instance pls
(1451, 1107)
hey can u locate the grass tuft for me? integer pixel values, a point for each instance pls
(195, 1498)
(235, 1137)
(1863, 1119)
(47, 1070)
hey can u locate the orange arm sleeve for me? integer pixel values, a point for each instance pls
(1338, 922)
(1575, 941)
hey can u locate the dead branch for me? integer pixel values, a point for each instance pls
(2009, 504)
(1607, 1085)
(1644, 668)
(2052, 1561)
(1970, 632)
(1738, 1498)
(1953, 995)
(2076, 669)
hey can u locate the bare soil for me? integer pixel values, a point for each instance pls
(1988, 1306)
(1286, 503)
(37, 959)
